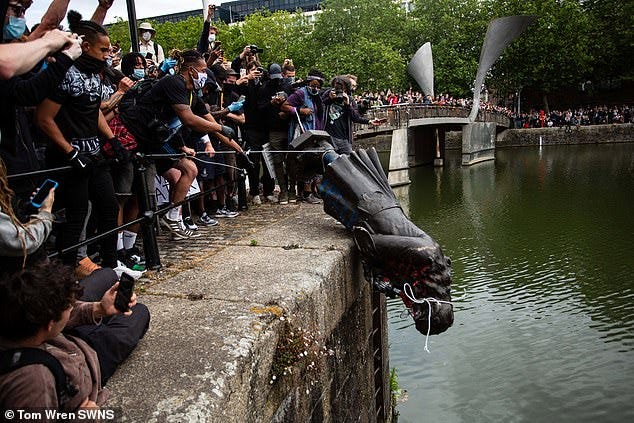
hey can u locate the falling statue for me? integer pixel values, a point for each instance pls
(398, 257)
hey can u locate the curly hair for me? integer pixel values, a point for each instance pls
(128, 63)
(31, 298)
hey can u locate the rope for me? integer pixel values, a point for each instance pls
(409, 293)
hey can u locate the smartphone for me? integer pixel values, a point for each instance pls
(43, 192)
(243, 72)
(124, 293)
(148, 55)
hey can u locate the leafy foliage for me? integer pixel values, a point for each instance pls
(455, 29)
(572, 41)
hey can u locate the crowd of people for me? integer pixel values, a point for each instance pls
(597, 115)
(74, 101)
(581, 116)
(78, 110)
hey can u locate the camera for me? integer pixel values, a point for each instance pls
(255, 49)
(339, 96)
(260, 69)
(280, 94)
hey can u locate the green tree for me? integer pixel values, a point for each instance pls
(455, 29)
(552, 55)
(181, 35)
(612, 31)
(364, 37)
(281, 34)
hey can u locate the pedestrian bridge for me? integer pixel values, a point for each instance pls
(418, 135)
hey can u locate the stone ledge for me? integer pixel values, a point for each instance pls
(210, 359)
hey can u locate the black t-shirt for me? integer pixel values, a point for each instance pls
(169, 91)
(80, 96)
(337, 121)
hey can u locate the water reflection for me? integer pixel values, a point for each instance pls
(541, 245)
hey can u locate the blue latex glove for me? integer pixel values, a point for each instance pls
(235, 106)
(167, 65)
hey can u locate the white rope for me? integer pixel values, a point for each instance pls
(409, 293)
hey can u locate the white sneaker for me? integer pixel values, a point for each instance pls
(256, 199)
(271, 198)
(121, 268)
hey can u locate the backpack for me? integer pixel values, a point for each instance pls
(143, 125)
(11, 360)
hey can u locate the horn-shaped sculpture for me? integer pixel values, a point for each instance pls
(500, 34)
(421, 68)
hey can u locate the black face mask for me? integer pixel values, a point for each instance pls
(227, 88)
(88, 64)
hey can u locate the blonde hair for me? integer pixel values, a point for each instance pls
(6, 197)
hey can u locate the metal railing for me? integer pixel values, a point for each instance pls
(399, 115)
(148, 216)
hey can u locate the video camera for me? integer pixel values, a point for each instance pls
(255, 49)
(338, 95)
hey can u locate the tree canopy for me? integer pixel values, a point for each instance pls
(571, 42)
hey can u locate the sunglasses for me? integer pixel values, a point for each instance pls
(18, 9)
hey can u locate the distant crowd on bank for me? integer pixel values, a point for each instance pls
(580, 116)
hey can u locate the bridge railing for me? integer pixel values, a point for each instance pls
(398, 116)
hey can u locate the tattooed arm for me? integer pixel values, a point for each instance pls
(109, 105)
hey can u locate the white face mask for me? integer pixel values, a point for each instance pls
(147, 35)
(200, 82)
(212, 38)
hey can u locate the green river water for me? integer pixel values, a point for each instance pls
(542, 247)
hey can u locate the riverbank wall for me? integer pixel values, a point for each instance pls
(266, 318)
(596, 134)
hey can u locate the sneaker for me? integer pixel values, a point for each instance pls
(283, 199)
(122, 268)
(85, 267)
(292, 197)
(311, 199)
(189, 224)
(256, 200)
(132, 258)
(271, 198)
(174, 226)
(205, 220)
(232, 203)
(226, 213)
(190, 232)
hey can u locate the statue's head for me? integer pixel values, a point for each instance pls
(415, 262)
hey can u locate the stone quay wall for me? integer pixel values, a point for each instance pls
(596, 134)
(265, 318)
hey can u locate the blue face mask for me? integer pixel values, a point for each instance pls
(15, 28)
(139, 73)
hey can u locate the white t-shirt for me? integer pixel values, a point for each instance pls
(149, 48)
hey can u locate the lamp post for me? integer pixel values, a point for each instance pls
(134, 35)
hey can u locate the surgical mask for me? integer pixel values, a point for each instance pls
(138, 73)
(212, 38)
(146, 35)
(15, 28)
(109, 61)
(289, 79)
(313, 90)
(200, 82)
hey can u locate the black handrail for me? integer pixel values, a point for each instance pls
(149, 213)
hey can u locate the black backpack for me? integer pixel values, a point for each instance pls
(136, 115)
(14, 359)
